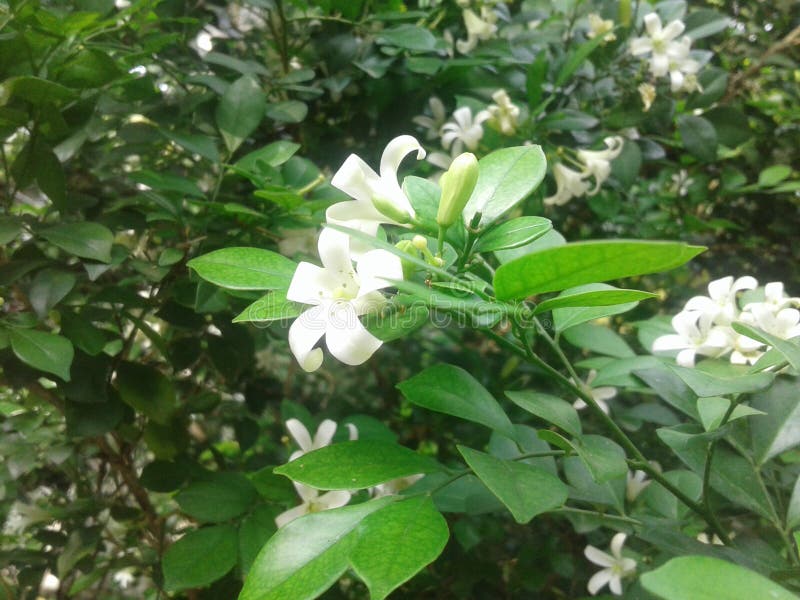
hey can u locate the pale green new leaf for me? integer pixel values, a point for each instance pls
(245, 269)
(550, 408)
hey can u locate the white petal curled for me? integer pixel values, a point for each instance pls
(347, 339)
(304, 333)
(617, 542)
(598, 581)
(333, 499)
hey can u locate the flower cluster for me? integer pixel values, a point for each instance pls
(339, 292)
(593, 164)
(704, 328)
(480, 27)
(669, 56)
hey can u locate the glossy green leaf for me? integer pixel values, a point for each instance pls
(598, 339)
(291, 111)
(709, 578)
(514, 233)
(273, 155)
(48, 288)
(270, 307)
(793, 510)
(774, 175)
(603, 457)
(570, 265)
(44, 351)
(705, 384)
(779, 429)
(200, 557)
(576, 58)
(670, 388)
(203, 145)
(408, 37)
(699, 137)
(506, 178)
(790, 350)
(83, 239)
(705, 22)
(356, 465)
(452, 390)
(713, 409)
(526, 490)
(309, 554)
(223, 496)
(550, 408)
(240, 111)
(245, 269)
(254, 531)
(592, 295)
(89, 68)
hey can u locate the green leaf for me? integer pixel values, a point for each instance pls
(705, 384)
(86, 240)
(451, 390)
(394, 324)
(588, 302)
(273, 155)
(526, 490)
(708, 578)
(10, 228)
(245, 269)
(536, 76)
(506, 178)
(664, 502)
(576, 59)
(570, 265)
(44, 351)
(604, 458)
(550, 408)
(670, 388)
(291, 111)
(146, 390)
(203, 145)
(789, 350)
(413, 532)
(270, 307)
(48, 288)
(255, 531)
(704, 23)
(35, 90)
(713, 409)
(793, 511)
(356, 465)
(240, 111)
(408, 37)
(89, 69)
(598, 339)
(699, 137)
(513, 234)
(200, 557)
(223, 496)
(774, 175)
(309, 554)
(779, 429)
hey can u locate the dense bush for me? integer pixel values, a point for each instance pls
(305, 298)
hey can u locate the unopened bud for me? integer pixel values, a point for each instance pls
(624, 12)
(386, 208)
(457, 184)
(419, 242)
(408, 247)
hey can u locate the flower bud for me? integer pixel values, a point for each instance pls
(624, 12)
(388, 209)
(419, 242)
(457, 184)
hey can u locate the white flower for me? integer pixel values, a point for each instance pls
(338, 295)
(312, 502)
(357, 179)
(463, 131)
(602, 27)
(657, 42)
(635, 483)
(704, 538)
(597, 163)
(600, 394)
(478, 28)
(50, 584)
(746, 351)
(434, 123)
(783, 323)
(775, 297)
(395, 486)
(680, 66)
(440, 159)
(322, 437)
(648, 94)
(681, 182)
(124, 578)
(504, 114)
(721, 306)
(569, 184)
(696, 334)
(616, 566)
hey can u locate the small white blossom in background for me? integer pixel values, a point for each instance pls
(668, 55)
(616, 566)
(704, 327)
(597, 163)
(479, 28)
(49, 584)
(312, 502)
(681, 182)
(322, 437)
(504, 114)
(704, 538)
(600, 394)
(433, 124)
(598, 26)
(635, 483)
(569, 184)
(463, 131)
(338, 294)
(124, 578)
(370, 190)
(647, 92)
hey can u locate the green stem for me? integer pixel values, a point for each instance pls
(712, 446)
(593, 513)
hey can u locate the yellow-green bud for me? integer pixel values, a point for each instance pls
(386, 208)
(457, 184)
(419, 242)
(624, 12)
(407, 246)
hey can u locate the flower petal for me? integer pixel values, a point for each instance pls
(304, 333)
(615, 585)
(324, 434)
(669, 342)
(306, 492)
(685, 358)
(300, 434)
(652, 22)
(310, 284)
(334, 499)
(356, 179)
(395, 152)
(290, 515)
(672, 30)
(598, 557)
(348, 340)
(598, 581)
(334, 252)
(376, 265)
(617, 542)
